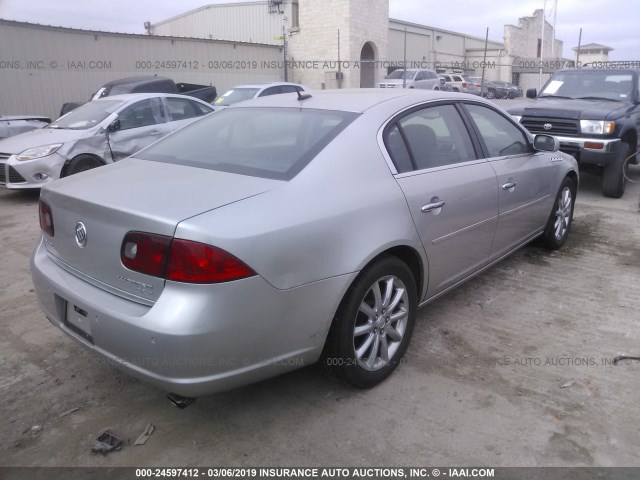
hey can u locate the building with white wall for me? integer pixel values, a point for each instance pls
(353, 43)
(592, 52)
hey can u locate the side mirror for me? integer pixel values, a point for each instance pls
(114, 126)
(546, 143)
(532, 93)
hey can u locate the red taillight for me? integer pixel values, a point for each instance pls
(464, 84)
(46, 218)
(145, 252)
(180, 260)
(195, 262)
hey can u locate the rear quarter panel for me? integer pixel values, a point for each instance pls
(341, 211)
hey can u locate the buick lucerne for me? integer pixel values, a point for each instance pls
(293, 228)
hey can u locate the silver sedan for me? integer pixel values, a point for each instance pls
(99, 132)
(290, 229)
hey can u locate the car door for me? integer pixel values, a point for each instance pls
(419, 80)
(138, 125)
(525, 185)
(452, 195)
(183, 111)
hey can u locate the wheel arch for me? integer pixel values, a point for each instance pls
(630, 136)
(573, 175)
(406, 254)
(65, 167)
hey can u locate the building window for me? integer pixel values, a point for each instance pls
(295, 14)
(539, 48)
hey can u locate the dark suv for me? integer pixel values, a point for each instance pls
(595, 114)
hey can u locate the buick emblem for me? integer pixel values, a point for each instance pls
(81, 235)
(547, 126)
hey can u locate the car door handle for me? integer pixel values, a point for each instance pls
(155, 132)
(432, 206)
(509, 185)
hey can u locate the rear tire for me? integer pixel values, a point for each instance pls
(559, 223)
(613, 177)
(491, 93)
(373, 325)
(82, 163)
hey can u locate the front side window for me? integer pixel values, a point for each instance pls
(500, 136)
(264, 142)
(142, 114)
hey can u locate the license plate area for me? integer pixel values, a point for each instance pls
(77, 319)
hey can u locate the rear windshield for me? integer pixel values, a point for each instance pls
(272, 143)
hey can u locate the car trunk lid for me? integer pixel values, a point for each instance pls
(132, 195)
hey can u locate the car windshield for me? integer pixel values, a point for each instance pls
(236, 95)
(594, 85)
(398, 74)
(87, 115)
(272, 143)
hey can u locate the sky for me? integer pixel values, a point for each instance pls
(614, 23)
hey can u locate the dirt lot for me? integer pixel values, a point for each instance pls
(512, 369)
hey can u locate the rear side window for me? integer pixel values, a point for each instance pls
(182, 108)
(428, 138)
(264, 142)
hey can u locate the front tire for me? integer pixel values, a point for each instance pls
(373, 325)
(613, 177)
(559, 223)
(491, 93)
(81, 163)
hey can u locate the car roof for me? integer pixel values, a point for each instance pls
(264, 85)
(134, 80)
(351, 100)
(130, 97)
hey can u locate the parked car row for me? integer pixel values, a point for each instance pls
(108, 128)
(424, 79)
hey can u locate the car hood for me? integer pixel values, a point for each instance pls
(566, 108)
(133, 195)
(36, 138)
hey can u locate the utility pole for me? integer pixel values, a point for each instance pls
(285, 47)
(553, 39)
(484, 60)
(578, 52)
(544, 21)
(404, 61)
(339, 63)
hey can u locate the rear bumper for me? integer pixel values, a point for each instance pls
(196, 339)
(591, 151)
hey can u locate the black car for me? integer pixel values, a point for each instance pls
(497, 89)
(595, 114)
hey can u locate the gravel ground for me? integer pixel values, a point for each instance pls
(511, 369)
